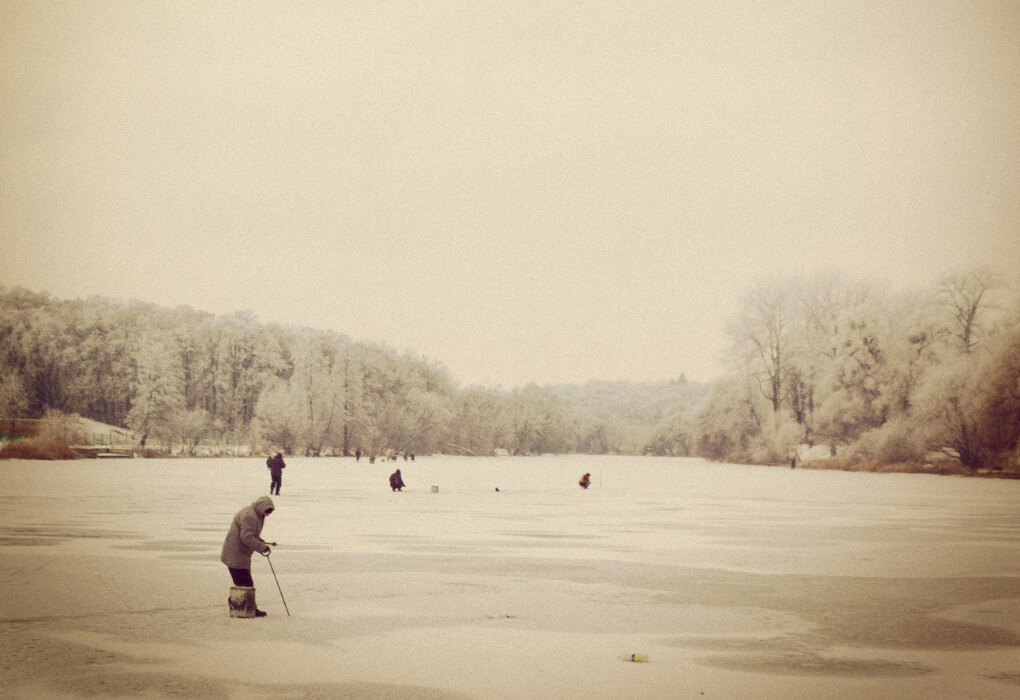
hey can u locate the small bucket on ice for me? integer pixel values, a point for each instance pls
(435, 489)
(242, 601)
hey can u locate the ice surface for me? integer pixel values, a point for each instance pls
(739, 580)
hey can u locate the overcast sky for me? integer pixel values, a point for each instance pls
(524, 191)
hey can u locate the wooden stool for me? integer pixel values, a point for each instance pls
(242, 601)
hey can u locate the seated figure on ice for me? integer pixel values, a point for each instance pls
(396, 482)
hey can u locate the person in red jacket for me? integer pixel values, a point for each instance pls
(585, 481)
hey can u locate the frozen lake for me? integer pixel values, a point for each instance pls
(736, 581)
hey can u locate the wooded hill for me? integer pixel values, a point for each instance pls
(181, 378)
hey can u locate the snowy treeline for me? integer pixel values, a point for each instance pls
(881, 376)
(182, 378)
(886, 377)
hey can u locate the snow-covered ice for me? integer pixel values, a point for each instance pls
(735, 581)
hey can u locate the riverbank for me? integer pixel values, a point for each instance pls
(33, 449)
(941, 468)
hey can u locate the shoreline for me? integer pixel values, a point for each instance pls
(49, 452)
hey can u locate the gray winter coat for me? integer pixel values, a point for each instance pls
(243, 536)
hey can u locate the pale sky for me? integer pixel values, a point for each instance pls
(524, 191)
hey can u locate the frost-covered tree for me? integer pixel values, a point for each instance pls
(536, 421)
(965, 298)
(969, 406)
(353, 393)
(852, 401)
(100, 350)
(762, 338)
(65, 428)
(1000, 409)
(13, 399)
(191, 427)
(672, 438)
(825, 306)
(730, 426)
(157, 389)
(911, 350)
(278, 417)
(426, 419)
(246, 356)
(478, 423)
(43, 341)
(319, 380)
(405, 403)
(850, 363)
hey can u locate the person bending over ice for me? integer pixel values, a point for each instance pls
(585, 481)
(396, 482)
(243, 540)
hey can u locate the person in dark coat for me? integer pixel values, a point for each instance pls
(276, 466)
(585, 481)
(244, 539)
(396, 482)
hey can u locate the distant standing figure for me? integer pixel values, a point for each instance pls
(243, 540)
(357, 455)
(585, 481)
(276, 466)
(396, 482)
(793, 462)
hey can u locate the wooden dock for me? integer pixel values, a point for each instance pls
(104, 452)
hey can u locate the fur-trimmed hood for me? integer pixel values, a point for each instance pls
(243, 537)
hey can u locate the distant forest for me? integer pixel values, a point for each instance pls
(181, 379)
(878, 376)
